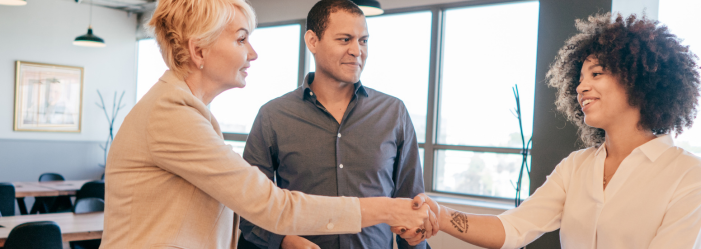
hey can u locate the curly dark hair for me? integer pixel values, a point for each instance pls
(318, 16)
(659, 74)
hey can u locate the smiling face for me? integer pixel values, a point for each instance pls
(603, 98)
(343, 49)
(227, 59)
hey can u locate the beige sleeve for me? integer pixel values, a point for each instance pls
(182, 141)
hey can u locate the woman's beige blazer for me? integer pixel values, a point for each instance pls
(172, 182)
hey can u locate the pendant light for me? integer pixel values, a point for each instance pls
(369, 7)
(88, 40)
(13, 2)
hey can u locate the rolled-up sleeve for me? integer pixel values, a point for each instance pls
(182, 141)
(540, 213)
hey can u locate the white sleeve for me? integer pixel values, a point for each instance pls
(542, 211)
(682, 220)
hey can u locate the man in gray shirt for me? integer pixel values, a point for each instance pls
(335, 137)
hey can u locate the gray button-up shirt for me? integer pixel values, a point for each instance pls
(372, 152)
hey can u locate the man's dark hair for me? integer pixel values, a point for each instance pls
(658, 72)
(318, 16)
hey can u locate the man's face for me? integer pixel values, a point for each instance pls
(343, 49)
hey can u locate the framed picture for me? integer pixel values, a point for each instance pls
(48, 97)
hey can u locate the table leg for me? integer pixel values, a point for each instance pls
(22, 206)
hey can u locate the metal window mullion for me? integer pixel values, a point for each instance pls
(235, 136)
(432, 108)
(500, 150)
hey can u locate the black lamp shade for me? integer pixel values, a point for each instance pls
(89, 40)
(369, 7)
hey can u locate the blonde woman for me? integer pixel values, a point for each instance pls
(172, 182)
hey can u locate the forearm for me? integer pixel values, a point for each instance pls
(480, 230)
(374, 211)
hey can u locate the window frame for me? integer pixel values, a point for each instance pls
(430, 146)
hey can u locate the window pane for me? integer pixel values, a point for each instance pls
(273, 74)
(399, 51)
(421, 158)
(681, 16)
(150, 66)
(476, 173)
(487, 50)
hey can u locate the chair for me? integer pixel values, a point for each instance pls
(87, 205)
(47, 177)
(91, 189)
(35, 235)
(51, 204)
(7, 199)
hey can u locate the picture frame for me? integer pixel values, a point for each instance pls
(48, 97)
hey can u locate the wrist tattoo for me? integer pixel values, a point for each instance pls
(459, 221)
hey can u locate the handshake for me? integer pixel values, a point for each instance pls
(418, 223)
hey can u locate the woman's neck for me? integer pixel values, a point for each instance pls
(621, 142)
(204, 90)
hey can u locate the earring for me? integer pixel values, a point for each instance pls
(202, 66)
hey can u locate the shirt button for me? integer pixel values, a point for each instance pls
(329, 226)
(339, 135)
(340, 166)
(311, 94)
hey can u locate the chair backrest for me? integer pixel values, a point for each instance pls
(91, 189)
(35, 235)
(47, 177)
(7, 199)
(89, 205)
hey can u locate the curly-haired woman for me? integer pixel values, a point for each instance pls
(629, 85)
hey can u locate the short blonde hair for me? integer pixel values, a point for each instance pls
(175, 22)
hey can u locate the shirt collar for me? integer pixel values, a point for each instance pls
(653, 149)
(359, 88)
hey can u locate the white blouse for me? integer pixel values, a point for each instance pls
(652, 201)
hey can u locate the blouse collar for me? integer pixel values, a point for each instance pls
(653, 149)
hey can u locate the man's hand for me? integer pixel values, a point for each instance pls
(296, 242)
(414, 238)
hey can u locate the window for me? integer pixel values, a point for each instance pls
(273, 74)
(487, 49)
(398, 61)
(681, 16)
(471, 143)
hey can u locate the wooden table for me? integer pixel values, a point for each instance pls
(37, 189)
(74, 227)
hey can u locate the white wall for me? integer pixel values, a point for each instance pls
(627, 7)
(43, 31)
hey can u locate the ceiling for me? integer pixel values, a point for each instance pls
(129, 6)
